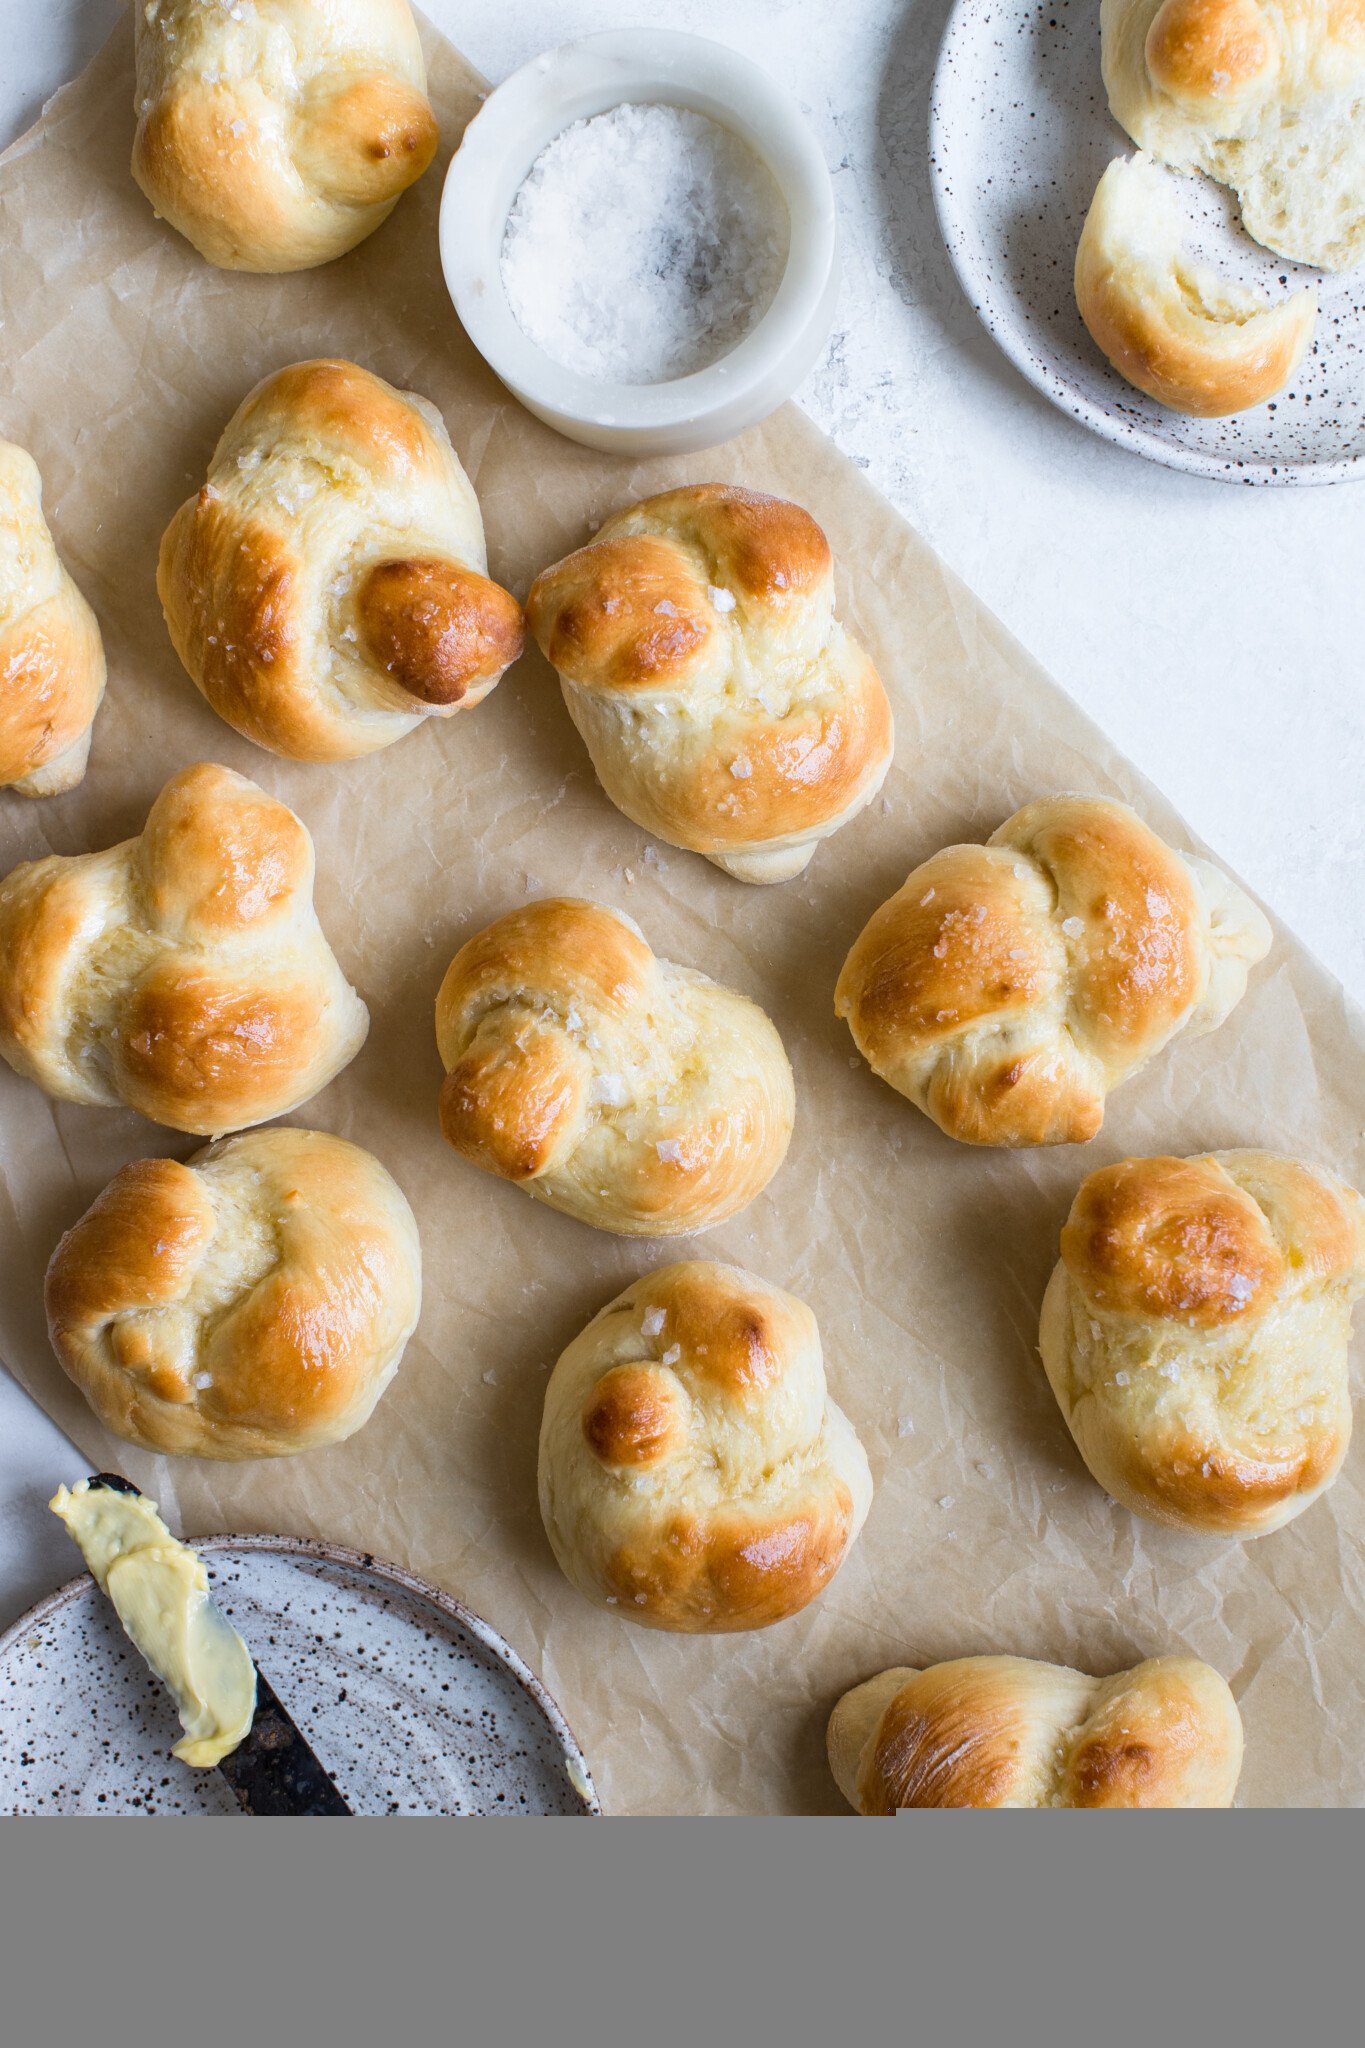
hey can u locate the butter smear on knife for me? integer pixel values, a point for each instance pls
(160, 1592)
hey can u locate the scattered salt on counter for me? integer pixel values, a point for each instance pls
(644, 244)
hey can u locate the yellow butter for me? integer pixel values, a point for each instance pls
(160, 1592)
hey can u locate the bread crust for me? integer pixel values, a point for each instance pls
(694, 1474)
(725, 707)
(326, 589)
(278, 135)
(52, 670)
(1267, 96)
(617, 1087)
(183, 973)
(1195, 1335)
(251, 1303)
(1173, 328)
(1008, 1732)
(1006, 988)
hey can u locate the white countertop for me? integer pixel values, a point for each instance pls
(1217, 632)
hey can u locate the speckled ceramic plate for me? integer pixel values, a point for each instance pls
(414, 1704)
(1019, 134)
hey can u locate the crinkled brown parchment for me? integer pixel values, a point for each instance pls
(123, 355)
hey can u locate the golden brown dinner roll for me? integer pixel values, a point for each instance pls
(326, 589)
(1004, 1731)
(1188, 337)
(51, 655)
(724, 706)
(694, 1474)
(183, 973)
(630, 1093)
(1195, 1334)
(276, 134)
(1264, 95)
(1006, 988)
(253, 1302)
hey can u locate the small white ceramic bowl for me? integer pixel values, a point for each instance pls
(503, 141)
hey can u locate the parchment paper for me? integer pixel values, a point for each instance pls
(123, 355)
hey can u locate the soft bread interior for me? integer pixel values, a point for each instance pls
(1267, 96)
(1193, 339)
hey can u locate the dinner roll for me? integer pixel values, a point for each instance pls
(694, 1474)
(1195, 1335)
(1179, 331)
(276, 134)
(1267, 96)
(183, 973)
(630, 1093)
(1006, 988)
(724, 706)
(327, 588)
(1004, 1731)
(51, 654)
(251, 1303)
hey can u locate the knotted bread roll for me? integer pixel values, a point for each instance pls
(1006, 988)
(1267, 96)
(184, 972)
(276, 134)
(1187, 336)
(694, 1474)
(1004, 1731)
(724, 706)
(51, 654)
(327, 588)
(633, 1094)
(251, 1303)
(1195, 1334)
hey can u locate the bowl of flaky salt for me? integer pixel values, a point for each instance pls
(637, 231)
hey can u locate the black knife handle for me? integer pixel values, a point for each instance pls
(273, 1771)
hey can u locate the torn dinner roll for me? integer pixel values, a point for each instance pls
(1191, 338)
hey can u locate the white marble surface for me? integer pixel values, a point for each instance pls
(1218, 633)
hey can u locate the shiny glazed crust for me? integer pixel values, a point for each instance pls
(251, 1303)
(183, 973)
(1189, 338)
(724, 706)
(633, 1094)
(1195, 1334)
(51, 655)
(326, 589)
(1006, 988)
(278, 134)
(1006, 1732)
(694, 1474)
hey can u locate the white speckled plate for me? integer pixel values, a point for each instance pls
(1019, 134)
(414, 1704)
